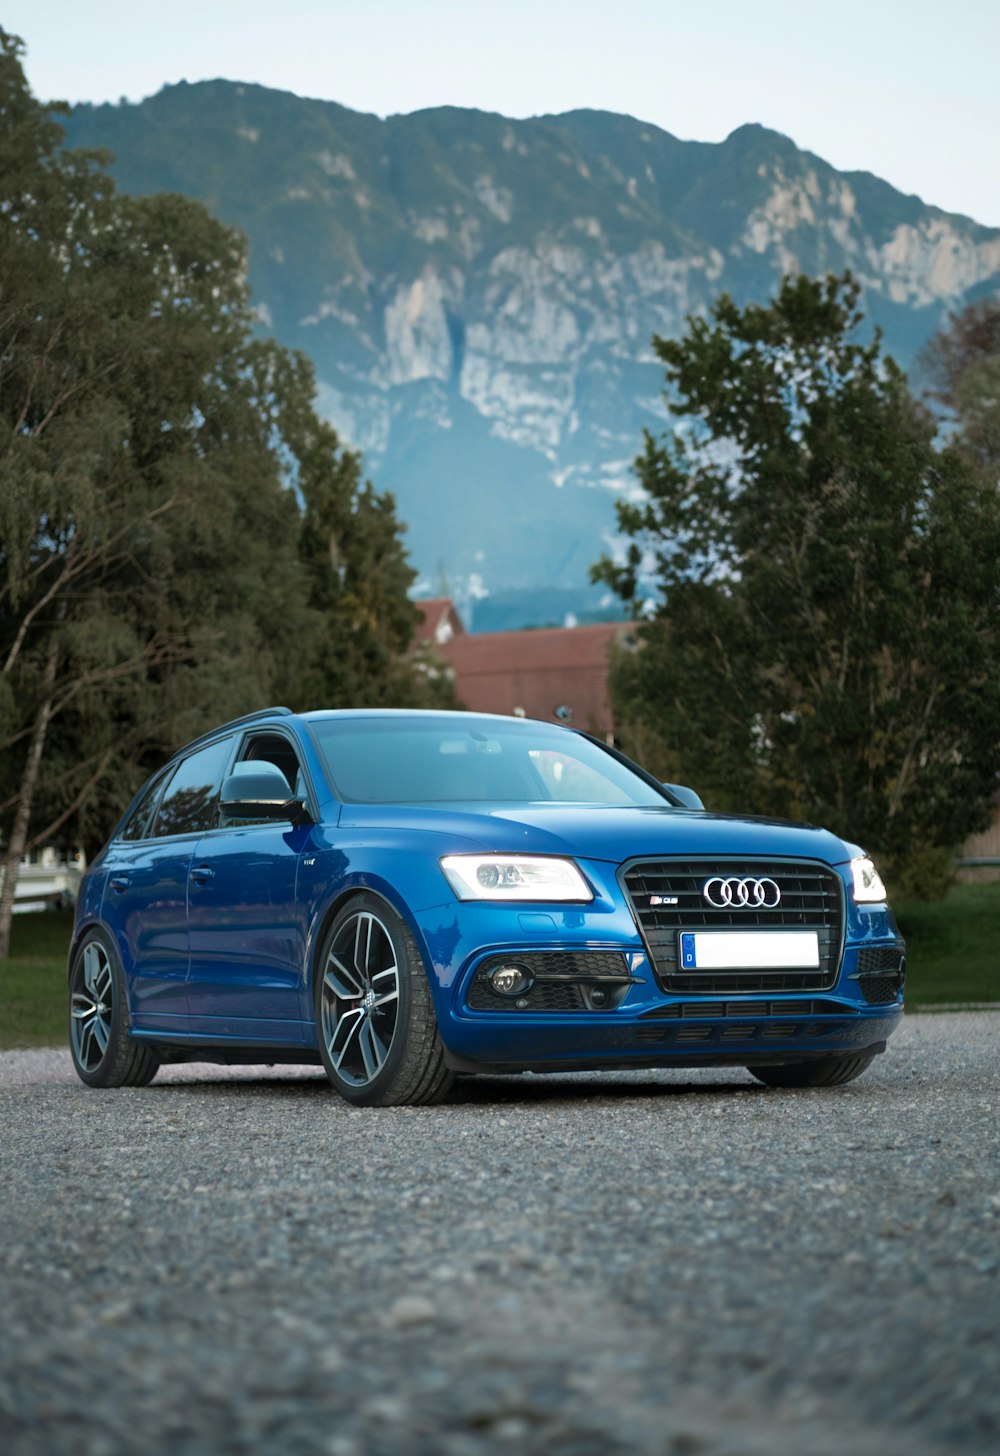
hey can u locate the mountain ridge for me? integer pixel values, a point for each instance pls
(479, 292)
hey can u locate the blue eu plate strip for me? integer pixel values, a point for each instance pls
(688, 958)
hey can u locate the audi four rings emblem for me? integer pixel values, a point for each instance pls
(739, 894)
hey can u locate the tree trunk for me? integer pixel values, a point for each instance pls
(25, 800)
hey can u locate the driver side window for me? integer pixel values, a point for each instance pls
(189, 801)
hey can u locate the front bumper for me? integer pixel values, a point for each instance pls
(647, 1026)
(684, 1031)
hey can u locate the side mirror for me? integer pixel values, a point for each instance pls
(260, 791)
(686, 798)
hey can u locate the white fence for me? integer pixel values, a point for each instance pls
(48, 878)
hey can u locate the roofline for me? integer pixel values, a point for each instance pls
(318, 715)
(321, 714)
(261, 713)
(527, 633)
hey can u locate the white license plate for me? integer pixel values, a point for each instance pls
(743, 950)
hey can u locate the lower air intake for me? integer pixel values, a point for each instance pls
(561, 981)
(881, 973)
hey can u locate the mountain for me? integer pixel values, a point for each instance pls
(479, 294)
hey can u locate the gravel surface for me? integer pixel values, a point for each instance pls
(678, 1264)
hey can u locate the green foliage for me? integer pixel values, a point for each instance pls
(358, 576)
(157, 570)
(825, 612)
(962, 362)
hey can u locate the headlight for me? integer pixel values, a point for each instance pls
(514, 877)
(868, 886)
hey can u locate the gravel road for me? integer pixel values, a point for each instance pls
(678, 1264)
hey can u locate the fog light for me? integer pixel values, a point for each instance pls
(509, 980)
(598, 998)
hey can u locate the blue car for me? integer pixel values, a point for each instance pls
(408, 896)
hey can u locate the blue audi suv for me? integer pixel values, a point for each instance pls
(405, 897)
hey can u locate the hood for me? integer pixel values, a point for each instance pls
(604, 833)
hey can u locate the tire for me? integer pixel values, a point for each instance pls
(378, 1035)
(823, 1072)
(103, 1052)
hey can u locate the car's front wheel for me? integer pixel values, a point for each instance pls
(103, 1053)
(822, 1072)
(378, 1034)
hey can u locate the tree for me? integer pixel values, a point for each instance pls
(157, 572)
(358, 577)
(820, 581)
(962, 363)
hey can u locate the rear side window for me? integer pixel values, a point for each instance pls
(188, 805)
(137, 826)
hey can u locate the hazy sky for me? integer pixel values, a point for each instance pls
(908, 89)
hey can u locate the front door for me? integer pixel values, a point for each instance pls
(248, 934)
(148, 886)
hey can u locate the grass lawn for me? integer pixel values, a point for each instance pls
(33, 981)
(953, 947)
(953, 955)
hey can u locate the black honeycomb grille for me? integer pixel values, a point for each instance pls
(881, 971)
(666, 898)
(873, 958)
(541, 997)
(562, 981)
(594, 964)
(879, 990)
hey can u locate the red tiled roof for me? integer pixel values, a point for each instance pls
(437, 613)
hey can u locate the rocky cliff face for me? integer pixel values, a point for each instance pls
(479, 294)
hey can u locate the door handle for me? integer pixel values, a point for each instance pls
(201, 874)
(118, 883)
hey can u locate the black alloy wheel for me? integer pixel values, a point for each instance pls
(378, 1034)
(103, 1052)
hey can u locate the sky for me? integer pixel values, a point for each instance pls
(907, 89)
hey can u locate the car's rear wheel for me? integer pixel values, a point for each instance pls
(103, 1053)
(378, 1034)
(823, 1072)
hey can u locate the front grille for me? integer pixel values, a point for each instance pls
(563, 981)
(811, 899)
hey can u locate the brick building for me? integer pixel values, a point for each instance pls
(556, 673)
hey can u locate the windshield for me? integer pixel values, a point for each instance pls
(446, 761)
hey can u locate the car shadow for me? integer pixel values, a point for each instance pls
(529, 1089)
(538, 1089)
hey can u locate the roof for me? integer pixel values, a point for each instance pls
(459, 715)
(439, 623)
